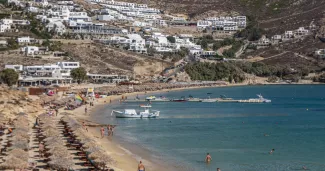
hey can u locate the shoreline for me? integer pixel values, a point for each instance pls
(125, 154)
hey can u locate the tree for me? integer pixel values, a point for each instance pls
(79, 74)
(9, 76)
(171, 39)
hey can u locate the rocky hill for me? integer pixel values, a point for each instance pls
(273, 15)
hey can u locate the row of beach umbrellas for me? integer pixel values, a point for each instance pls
(93, 150)
(17, 154)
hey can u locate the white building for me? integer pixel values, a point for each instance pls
(288, 34)
(202, 24)
(14, 67)
(33, 9)
(105, 17)
(25, 40)
(30, 50)
(301, 32)
(138, 43)
(58, 27)
(4, 27)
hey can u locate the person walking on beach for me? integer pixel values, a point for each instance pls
(208, 158)
(112, 132)
(84, 126)
(108, 130)
(102, 131)
(56, 111)
(86, 110)
(141, 167)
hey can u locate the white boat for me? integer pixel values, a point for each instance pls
(210, 100)
(260, 99)
(132, 113)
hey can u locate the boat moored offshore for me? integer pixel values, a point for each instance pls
(132, 113)
(260, 99)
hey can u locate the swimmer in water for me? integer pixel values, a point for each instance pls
(208, 158)
(304, 168)
(266, 135)
(271, 152)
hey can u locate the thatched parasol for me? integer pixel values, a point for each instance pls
(51, 132)
(12, 162)
(96, 154)
(20, 145)
(61, 163)
(90, 144)
(59, 151)
(19, 153)
(54, 143)
(22, 137)
(104, 159)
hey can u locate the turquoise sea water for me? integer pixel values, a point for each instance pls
(233, 133)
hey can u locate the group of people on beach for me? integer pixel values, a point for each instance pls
(110, 131)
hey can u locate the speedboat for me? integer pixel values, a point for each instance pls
(132, 113)
(151, 98)
(260, 99)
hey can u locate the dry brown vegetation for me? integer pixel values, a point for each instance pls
(13, 102)
(97, 58)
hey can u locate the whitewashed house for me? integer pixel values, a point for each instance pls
(138, 43)
(15, 67)
(25, 40)
(4, 27)
(30, 50)
(288, 34)
(301, 31)
(57, 26)
(105, 17)
(202, 24)
(32, 9)
(264, 41)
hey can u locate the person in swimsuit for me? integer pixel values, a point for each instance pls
(218, 169)
(208, 158)
(271, 152)
(141, 167)
(102, 131)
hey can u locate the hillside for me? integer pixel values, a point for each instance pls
(276, 16)
(98, 58)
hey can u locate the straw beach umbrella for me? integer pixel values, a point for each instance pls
(19, 153)
(20, 145)
(51, 132)
(61, 163)
(103, 160)
(59, 151)
(12, 162)
(96, 154)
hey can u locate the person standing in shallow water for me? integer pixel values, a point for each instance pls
(208, 158)
(102, 131)
(141, 167)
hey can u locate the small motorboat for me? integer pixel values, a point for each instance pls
(182, 99)
(132, 113)
(209, 100)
